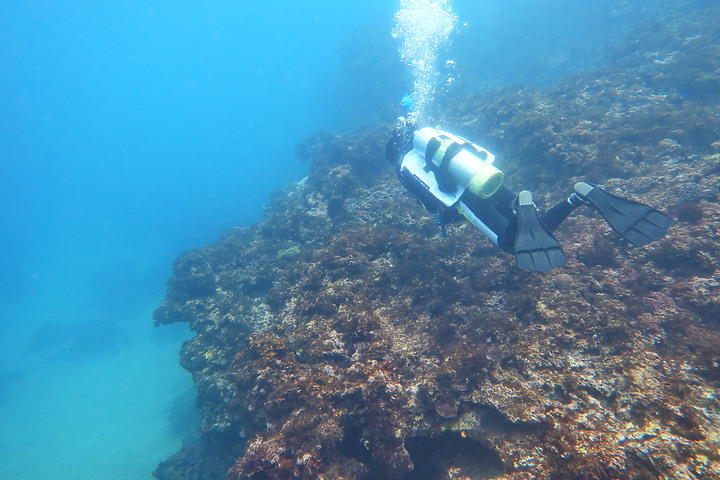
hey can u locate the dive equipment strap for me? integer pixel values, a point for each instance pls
(438, 153)
(414, 163)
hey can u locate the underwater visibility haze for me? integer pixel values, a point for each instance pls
(132, 131)
(231, 157)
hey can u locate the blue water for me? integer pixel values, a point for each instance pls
(132, 131)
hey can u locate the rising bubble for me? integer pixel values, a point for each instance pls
(423, 27)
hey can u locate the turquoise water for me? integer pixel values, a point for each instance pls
(103, 417)
(132, 131)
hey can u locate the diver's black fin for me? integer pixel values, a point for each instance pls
(635, 222)
(535, 247)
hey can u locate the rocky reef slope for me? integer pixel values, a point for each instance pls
(343, 338)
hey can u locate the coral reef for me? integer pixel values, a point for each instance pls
(342, 338)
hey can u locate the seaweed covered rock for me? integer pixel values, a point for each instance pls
(342, 337)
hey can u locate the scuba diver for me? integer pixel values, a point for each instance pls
(451, 176)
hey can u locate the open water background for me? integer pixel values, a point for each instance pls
(132, 131)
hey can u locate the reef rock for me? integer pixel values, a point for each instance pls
(343, 338)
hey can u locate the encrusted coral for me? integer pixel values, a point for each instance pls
(343, 338)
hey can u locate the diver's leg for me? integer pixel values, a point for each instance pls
(486, 211)
(635, 222)
(557, 214)
(506, 239)
(496, 213)
(487, 230)
(504, 200)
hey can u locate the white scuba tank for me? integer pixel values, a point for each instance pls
(469, 166)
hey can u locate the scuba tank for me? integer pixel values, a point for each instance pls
(457, 163)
